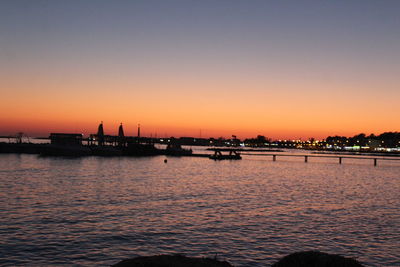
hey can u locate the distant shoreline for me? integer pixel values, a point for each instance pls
(36, 148)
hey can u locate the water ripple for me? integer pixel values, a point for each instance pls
(252, 212)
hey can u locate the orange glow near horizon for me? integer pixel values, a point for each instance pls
(218, 108)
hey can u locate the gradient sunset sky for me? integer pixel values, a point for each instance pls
(283, 69)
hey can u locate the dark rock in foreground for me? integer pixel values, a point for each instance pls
(298, 259)
(316, 259)
(171, 261)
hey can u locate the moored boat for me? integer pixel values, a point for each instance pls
(233, 155)
(174, 149)
(65, 150)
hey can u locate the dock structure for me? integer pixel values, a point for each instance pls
(339, 157)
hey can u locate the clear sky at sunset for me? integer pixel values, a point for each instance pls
(283, 69)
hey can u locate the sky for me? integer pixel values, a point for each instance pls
(283, 69)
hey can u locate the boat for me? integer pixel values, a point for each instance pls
(65, 150)
(233, 155)
(65, 145)
(174, 149)
(140, 150)
(106, 151)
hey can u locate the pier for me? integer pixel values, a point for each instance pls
(339, 157)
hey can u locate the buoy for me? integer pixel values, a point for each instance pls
(165, 160)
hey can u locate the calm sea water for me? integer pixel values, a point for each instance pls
(98, 211)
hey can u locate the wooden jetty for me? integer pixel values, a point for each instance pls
(339, 157)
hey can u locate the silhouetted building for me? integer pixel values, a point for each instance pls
(191, 141)
(66, 139)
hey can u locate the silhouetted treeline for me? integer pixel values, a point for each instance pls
(259, 141)
(387, 139)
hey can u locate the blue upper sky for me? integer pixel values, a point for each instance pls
(319, 48)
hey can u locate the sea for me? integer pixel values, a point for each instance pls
(251, 212)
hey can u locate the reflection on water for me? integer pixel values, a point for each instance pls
(250, 212)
